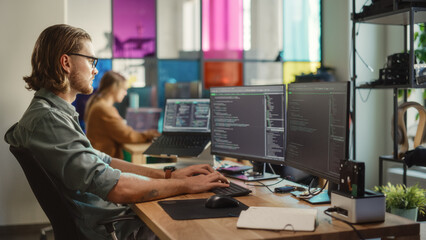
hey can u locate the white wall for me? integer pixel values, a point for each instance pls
(336, 38)
(21, 21)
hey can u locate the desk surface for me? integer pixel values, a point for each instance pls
(225, 228)
(136, 151)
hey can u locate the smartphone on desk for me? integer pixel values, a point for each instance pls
(292, 189)
(285, 189)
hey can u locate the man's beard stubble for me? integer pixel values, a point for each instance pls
(80, 85)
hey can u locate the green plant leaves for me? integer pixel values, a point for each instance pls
(420, 52)
(399, 196)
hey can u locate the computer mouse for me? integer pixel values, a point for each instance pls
(221, 201)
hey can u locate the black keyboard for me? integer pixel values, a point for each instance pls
(186, 145)
(184, 141)
(234, 190)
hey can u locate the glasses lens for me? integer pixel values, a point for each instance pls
(95, 62)
(92, 60)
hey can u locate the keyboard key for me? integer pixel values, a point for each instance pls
(234, 190)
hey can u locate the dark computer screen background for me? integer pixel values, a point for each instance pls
(318, 127)
(142, 119)
(248, 122)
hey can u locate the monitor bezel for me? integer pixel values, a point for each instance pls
(251, 157)
(332, 177)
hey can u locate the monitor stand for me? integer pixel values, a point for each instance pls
(204, 158)
(256, 174)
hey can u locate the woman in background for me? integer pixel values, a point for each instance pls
(105, 128)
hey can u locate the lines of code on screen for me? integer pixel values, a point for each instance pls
(317, 127)
(248, 122)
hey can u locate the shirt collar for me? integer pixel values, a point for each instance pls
(57, 101)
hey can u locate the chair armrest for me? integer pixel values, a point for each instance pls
(109, 222)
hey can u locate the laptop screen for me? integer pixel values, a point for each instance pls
(187, 115)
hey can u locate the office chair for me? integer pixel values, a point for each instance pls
(53, 202)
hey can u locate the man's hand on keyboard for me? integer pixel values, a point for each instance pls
(205, 182)
(193, 170)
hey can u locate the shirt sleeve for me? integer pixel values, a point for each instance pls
(103, 156)
(68, 155)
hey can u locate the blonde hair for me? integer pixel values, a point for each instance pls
(110, 81)
(52, 43)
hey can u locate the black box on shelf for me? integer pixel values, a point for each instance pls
(398, 60)
(393, 76)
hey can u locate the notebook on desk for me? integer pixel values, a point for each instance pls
(186, 128)
(278, 218)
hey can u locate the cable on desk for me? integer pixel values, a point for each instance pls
(317, 192)
(312, 194)
(335, 209)
(267, 186)
(264, 185)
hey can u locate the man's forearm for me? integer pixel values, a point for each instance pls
(134, 188)
(136, 169)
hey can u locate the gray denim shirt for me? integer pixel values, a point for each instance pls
(50, 129)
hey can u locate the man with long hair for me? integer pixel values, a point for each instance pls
(64, 65)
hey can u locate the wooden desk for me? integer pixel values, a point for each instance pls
(225, 228)
(137, 150)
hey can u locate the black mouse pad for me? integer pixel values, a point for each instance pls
(195, 209)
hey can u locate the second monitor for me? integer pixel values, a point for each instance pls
(318, 130)
(248, 122)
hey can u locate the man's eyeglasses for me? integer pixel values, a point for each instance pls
(94, 61)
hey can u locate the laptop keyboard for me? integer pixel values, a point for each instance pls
(179, 145)
(234, 190)
(184, 141)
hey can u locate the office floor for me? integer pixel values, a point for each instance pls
(35, 235)
(24, 232)
(26, 236)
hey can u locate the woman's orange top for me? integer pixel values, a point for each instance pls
(107, 130)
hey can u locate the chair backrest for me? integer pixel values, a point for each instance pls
(49, 196)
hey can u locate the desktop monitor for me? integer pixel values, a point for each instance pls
(248, 122)
(318, 128)
(141, 119)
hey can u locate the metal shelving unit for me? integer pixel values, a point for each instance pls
(394, 17)
(406, 17)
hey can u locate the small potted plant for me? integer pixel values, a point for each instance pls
(404, 201)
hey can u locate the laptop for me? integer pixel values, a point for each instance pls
(186, 128)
